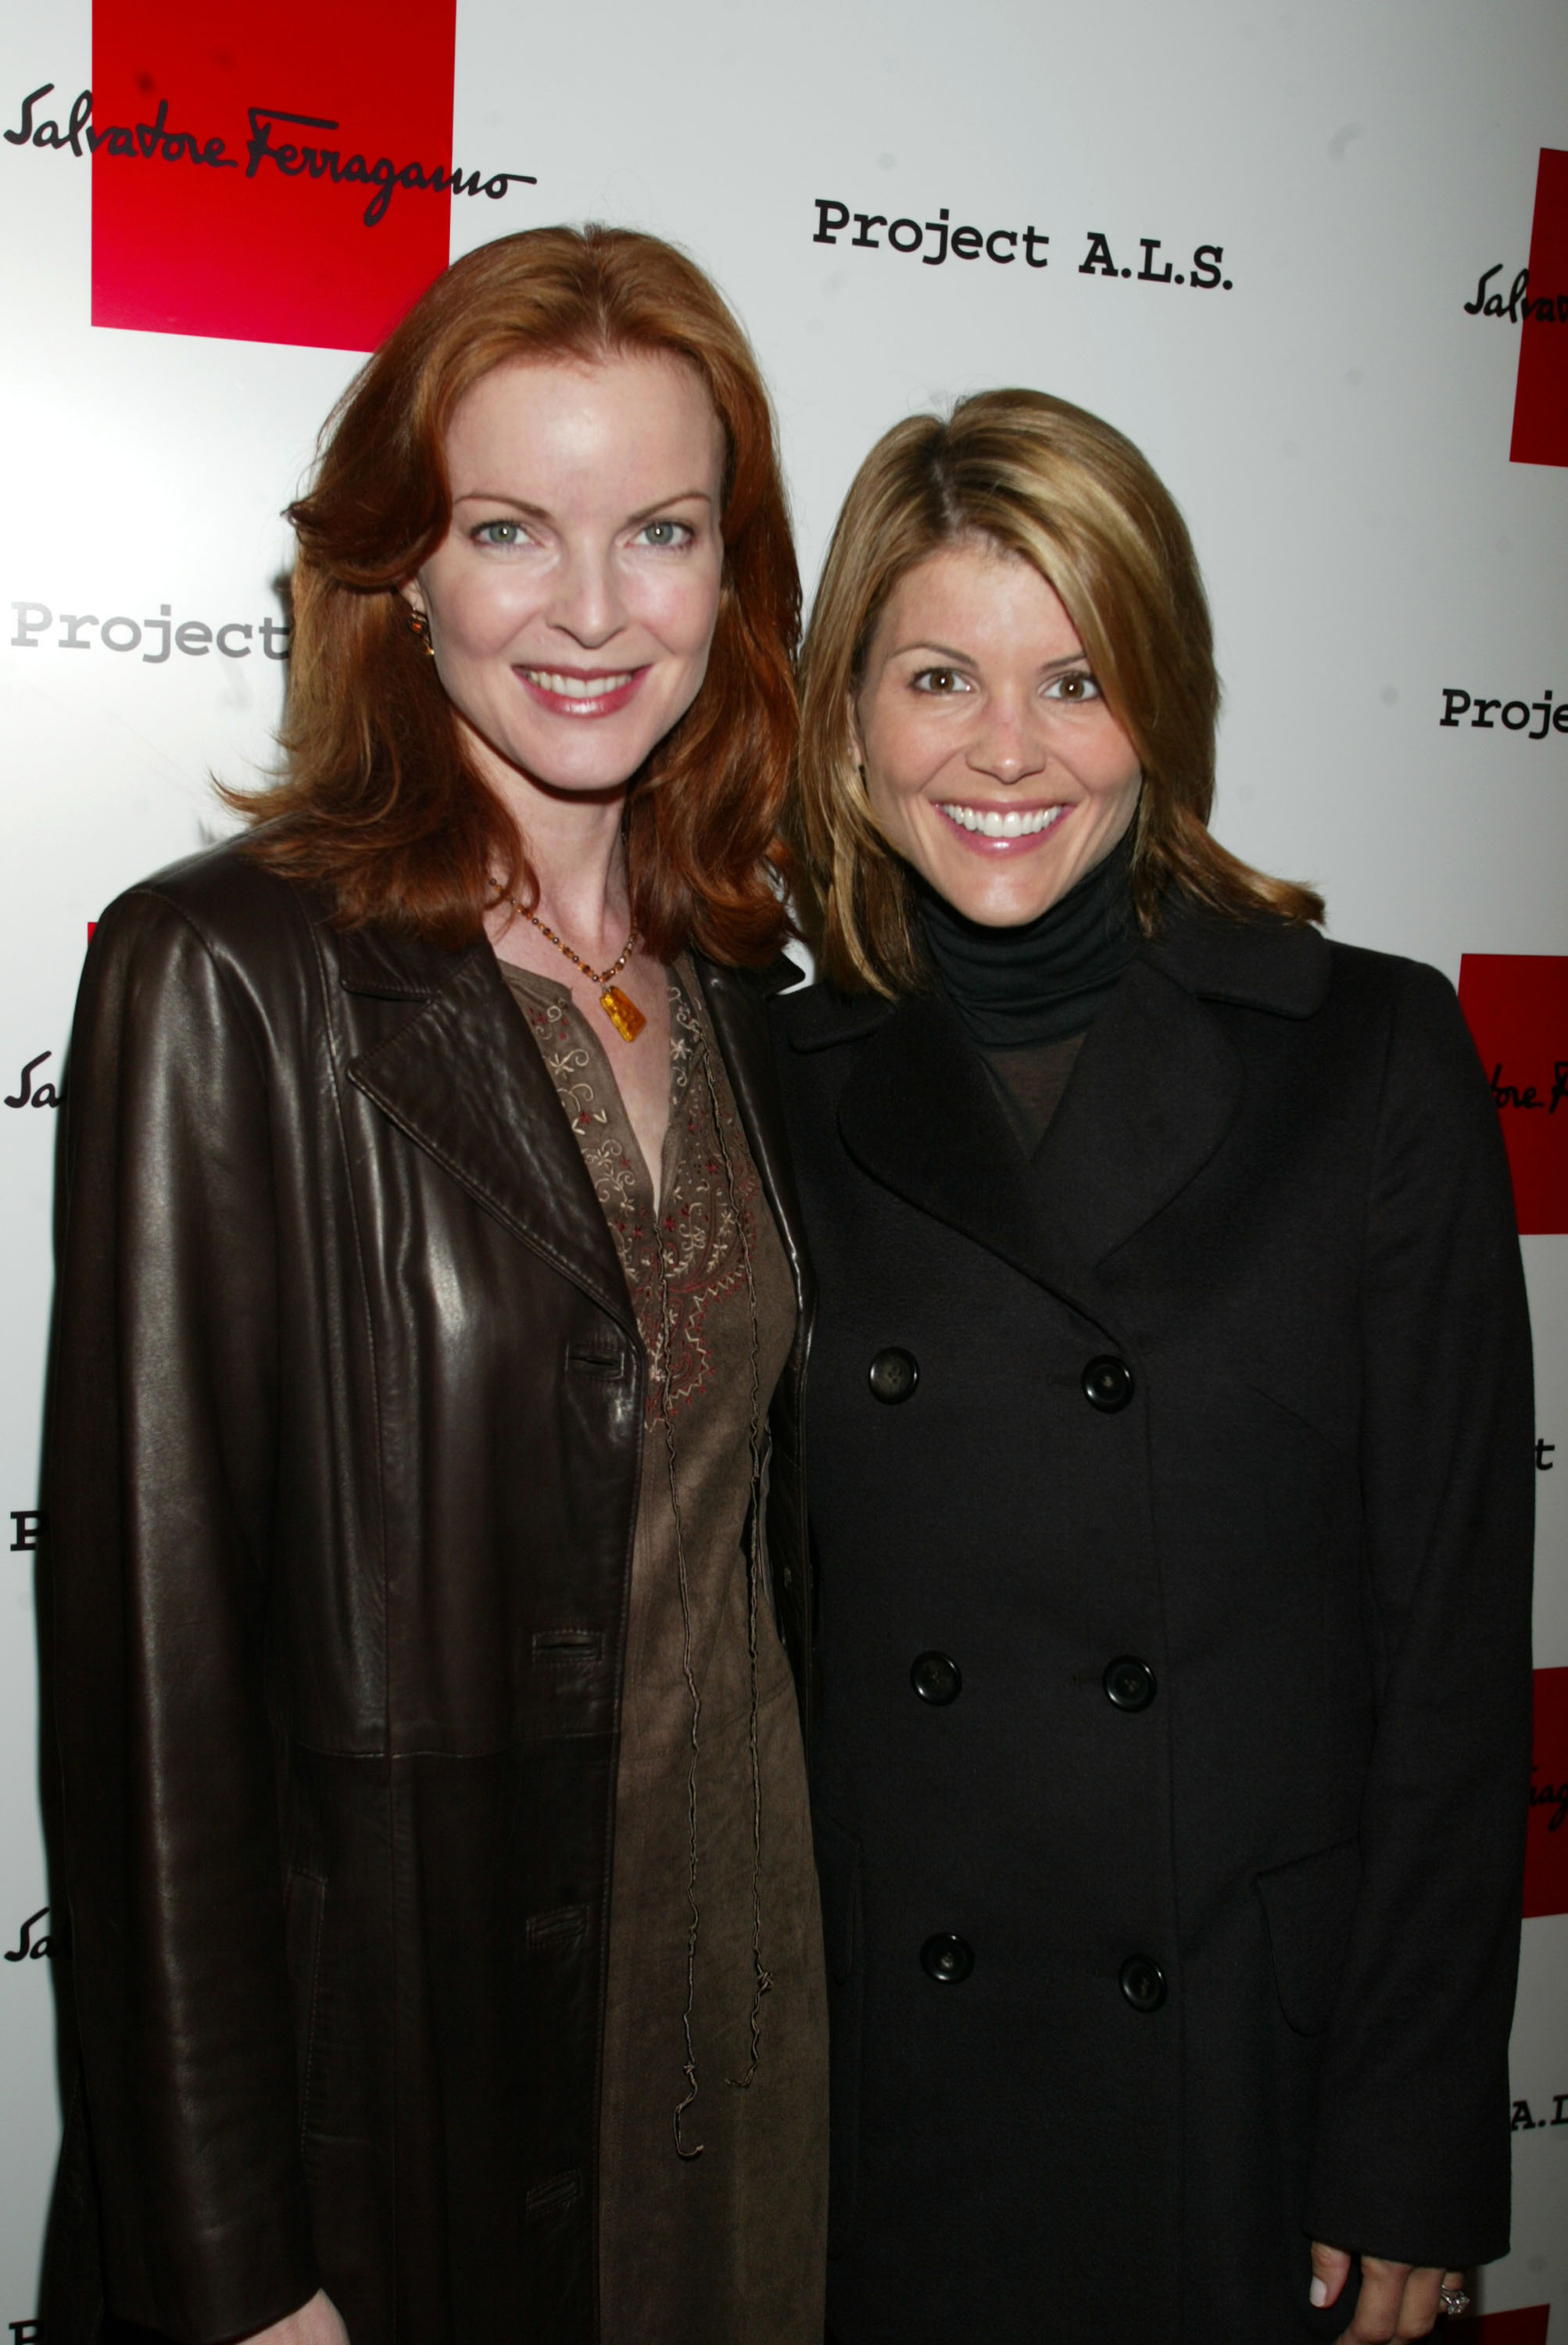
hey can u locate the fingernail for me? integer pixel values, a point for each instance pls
(1317, 2294)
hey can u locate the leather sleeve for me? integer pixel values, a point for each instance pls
(160, 1470)
(1412, 2150)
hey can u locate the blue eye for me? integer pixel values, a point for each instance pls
(666, 534)
(499, 532)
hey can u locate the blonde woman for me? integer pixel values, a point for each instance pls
(1168, 1446)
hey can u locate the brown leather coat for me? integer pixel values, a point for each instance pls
(347, 1418)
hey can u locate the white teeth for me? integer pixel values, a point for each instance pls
(575, 687)
(1011, 822)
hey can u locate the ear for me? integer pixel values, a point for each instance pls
(412, 593)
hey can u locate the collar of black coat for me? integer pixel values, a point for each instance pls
(1155, 1090)
(1259, 965)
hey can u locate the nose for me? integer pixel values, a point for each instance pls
(1009, 743)
(586, 603)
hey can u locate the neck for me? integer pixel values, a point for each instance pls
(1046, 980)
(575, 846)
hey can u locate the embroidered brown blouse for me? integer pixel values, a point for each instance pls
(725, 2248)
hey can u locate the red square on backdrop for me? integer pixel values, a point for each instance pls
(1546, 1844)
(1541, 398)
(1517, 1006)
(199, 228)
(1525, 2327)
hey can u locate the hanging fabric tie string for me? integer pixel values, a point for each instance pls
(762, 1979)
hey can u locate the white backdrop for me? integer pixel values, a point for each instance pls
(1335, 424)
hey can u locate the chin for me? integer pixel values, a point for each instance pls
(1014, 914)
(597, 767)
(995, 906)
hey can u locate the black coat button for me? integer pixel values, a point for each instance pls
(1143, 1983)
(947, 1959)
(893, 1375)
(1129, 1683)
(937, 1679)
(1109, 1383)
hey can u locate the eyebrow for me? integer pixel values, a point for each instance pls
(967, 659)
(542, 512)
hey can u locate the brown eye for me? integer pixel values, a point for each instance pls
(937, 679)
(1077, 687)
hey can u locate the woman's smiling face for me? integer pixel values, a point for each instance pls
(573, 601)
(993, 762)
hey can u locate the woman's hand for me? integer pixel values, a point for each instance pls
(1396, 2299)
(316, 2324)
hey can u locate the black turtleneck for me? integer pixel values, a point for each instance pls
(1028, 995)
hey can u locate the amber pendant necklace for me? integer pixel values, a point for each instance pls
(619, 1007)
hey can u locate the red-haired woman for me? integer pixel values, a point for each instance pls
(427, 1555)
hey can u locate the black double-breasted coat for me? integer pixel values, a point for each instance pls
(345, 1442)
(1172, 1501)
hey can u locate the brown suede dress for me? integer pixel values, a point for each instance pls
(725, 2248)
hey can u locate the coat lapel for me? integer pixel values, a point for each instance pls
(463, 1079)
(1155, 1090)
(920, 1115)
(1158, 1083)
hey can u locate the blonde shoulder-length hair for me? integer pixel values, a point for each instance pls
(1073, 497)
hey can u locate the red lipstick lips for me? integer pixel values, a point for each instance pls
(599, 692)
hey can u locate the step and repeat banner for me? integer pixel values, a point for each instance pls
(1313, 257)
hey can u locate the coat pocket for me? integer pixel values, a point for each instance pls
(1310, 1907)
(304, 1912)
(839, 1872)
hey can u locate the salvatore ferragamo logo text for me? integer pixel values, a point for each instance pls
(1546, 309)
(27, 1947)
(163, 141)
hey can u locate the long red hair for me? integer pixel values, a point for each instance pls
(377, 802)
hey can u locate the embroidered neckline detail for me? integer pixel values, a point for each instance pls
(695, 1229)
